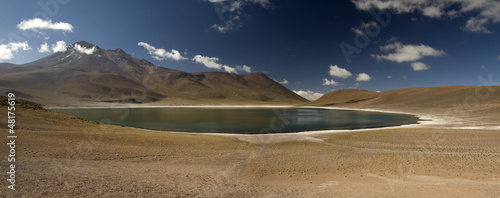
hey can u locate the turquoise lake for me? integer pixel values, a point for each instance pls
(241, 120)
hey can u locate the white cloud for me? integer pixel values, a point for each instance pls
(418, 66)
(433, 12)
(407, 53)
(327, 82)
(498, 58)
(211, 62)
(389, 76)
(88, 51)
(310, 95)
(229, 69)
(363, 77)
(475, 24)
(283, 82)
(236, 6)
(60, 46)
(361, 29)
(162, 54)
(230, 12)
(339, 72)
(19, 45)
(38, 24)
(244, 68)
(481, 12)
(7, 50)
(44, 48)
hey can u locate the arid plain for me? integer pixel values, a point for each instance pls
(60, 155)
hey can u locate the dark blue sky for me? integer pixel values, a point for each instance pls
(427, 43)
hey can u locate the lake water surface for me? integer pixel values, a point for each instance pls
(241, 120)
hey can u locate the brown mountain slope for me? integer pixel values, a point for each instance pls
(345, 96)
(73, 78)
(471, 103)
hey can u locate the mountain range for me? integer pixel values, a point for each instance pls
(86, 74)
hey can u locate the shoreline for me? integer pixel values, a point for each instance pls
(424, 118)
(425, 121)
(175, 106)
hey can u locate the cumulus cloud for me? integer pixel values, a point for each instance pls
(44, 48)
(229, 69)
(5, 53)
(244, 68)
(84, 50)
(336, 71)
(309, 95)
(418, 66)
(19, 45)
(211, 62)
(406, 53)
(60, 46)
(327, 82)
(7, 50)
(230, 12)
(363, 77)
(162, 54)
(481, 12)
(38, 24)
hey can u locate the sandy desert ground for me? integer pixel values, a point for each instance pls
(62, 156)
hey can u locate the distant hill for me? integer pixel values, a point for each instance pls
(77, 77)
(464, 102)
(345, 96)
